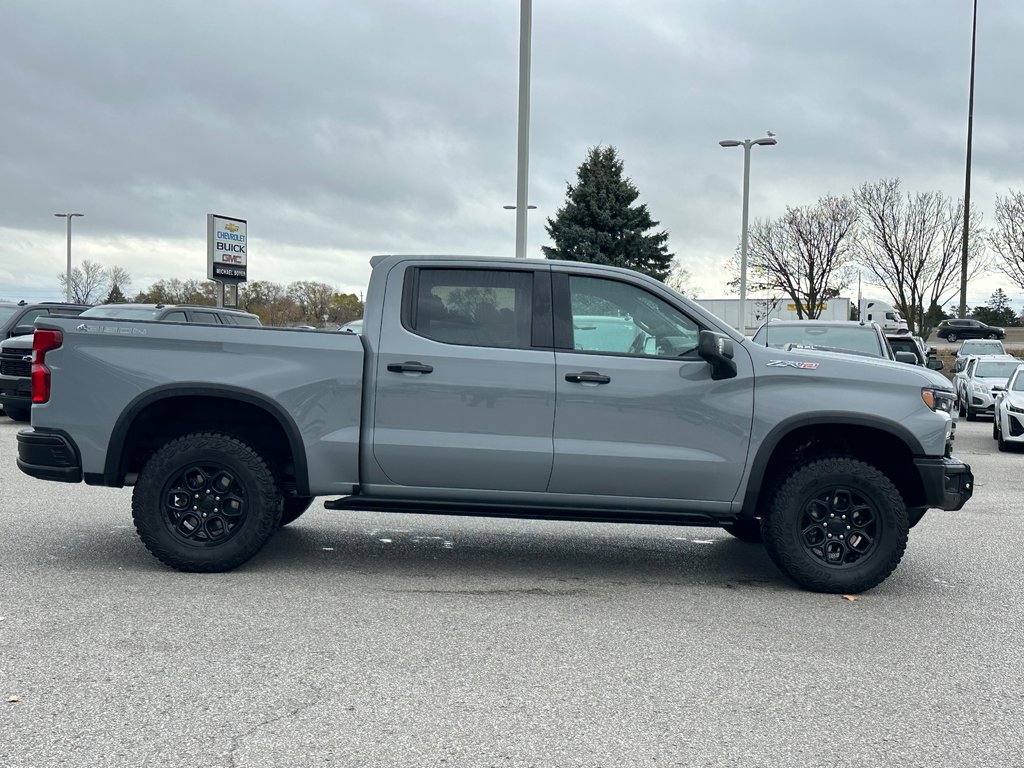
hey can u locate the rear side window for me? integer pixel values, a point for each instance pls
(474, 307)
(175, 317)
(205, 318)
(240, 320)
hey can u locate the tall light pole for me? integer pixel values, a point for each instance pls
(967, 175)
(67, 286)
(746, 144)
(523, 165)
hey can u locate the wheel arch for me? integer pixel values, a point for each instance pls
(883, 444)
(171, 411)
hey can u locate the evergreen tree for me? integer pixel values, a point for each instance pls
(115, 296)
(601, 224)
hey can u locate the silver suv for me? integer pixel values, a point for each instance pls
(848, 336)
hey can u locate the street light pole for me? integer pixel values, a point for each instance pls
(746, 144)
(67, 279)
(523, 166)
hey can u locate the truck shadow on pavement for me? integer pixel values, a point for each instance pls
(433, 546)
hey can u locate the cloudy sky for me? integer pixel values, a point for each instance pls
(344, 128)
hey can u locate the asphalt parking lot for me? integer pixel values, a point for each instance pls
(359, 639)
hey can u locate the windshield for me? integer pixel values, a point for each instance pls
(130, 313)
(6, 313)
(854, 338)
(980, 348)
(995, 369)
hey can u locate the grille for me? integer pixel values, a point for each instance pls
(15, 366)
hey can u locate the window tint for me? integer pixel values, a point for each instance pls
(240, 320)
(476, 307)
(175, 317)
(610, 316)
(205, 318)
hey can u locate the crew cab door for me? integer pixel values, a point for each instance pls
(637, 413)
(465, 383)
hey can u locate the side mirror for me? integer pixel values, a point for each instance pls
(23, 330)
(717, 350)
(906, 357)
(935, 364)
(958, 366)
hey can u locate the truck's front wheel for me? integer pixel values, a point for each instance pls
(837, 525)
(205, 502)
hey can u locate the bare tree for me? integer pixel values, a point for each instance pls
(804, 255)
(270, 301)
(912, 246)
(177, 291)
(1008, 237)
(314, 298)
(89, 283)
(119, 278)
(680, 280)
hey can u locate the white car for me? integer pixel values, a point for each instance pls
(1008, 424)
(981, 380)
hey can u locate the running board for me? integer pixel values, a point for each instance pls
(518, 511)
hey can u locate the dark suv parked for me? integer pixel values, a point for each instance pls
(17, 320)
(953, 330)
(16, 352)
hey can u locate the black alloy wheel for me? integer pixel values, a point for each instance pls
(204, 504)
(951, 337)
(839, 526)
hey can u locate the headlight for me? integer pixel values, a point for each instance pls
(977, 386)
(938, 399)
(1014, 408)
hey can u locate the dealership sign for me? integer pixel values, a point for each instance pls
(226, 245)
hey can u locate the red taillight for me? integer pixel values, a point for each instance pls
(42, 342)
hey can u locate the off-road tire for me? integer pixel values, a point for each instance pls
(214, 530)
(294, 506)
(18, 414)
(809, 506)
(747, 529)
(972, 415)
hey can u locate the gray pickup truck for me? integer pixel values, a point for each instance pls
(504, 388)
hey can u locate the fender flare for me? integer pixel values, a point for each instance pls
(119, 434)
(759, 464)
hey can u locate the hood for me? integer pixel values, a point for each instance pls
(17, 342)
(820, 363)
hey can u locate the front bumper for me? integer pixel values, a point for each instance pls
(948, 482)
(15, 390)
(49, 455)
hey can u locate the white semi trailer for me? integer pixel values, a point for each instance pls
(759, 310)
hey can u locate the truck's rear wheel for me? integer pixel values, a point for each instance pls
(205, 502)
(294, 506)
(837, 525)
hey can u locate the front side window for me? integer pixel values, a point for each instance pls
(618, 318)
(474, 307)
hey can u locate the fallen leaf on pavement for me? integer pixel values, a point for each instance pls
(12, 699)
(851, 598)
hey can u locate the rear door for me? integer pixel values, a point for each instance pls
(465, 393)
(637, 413)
